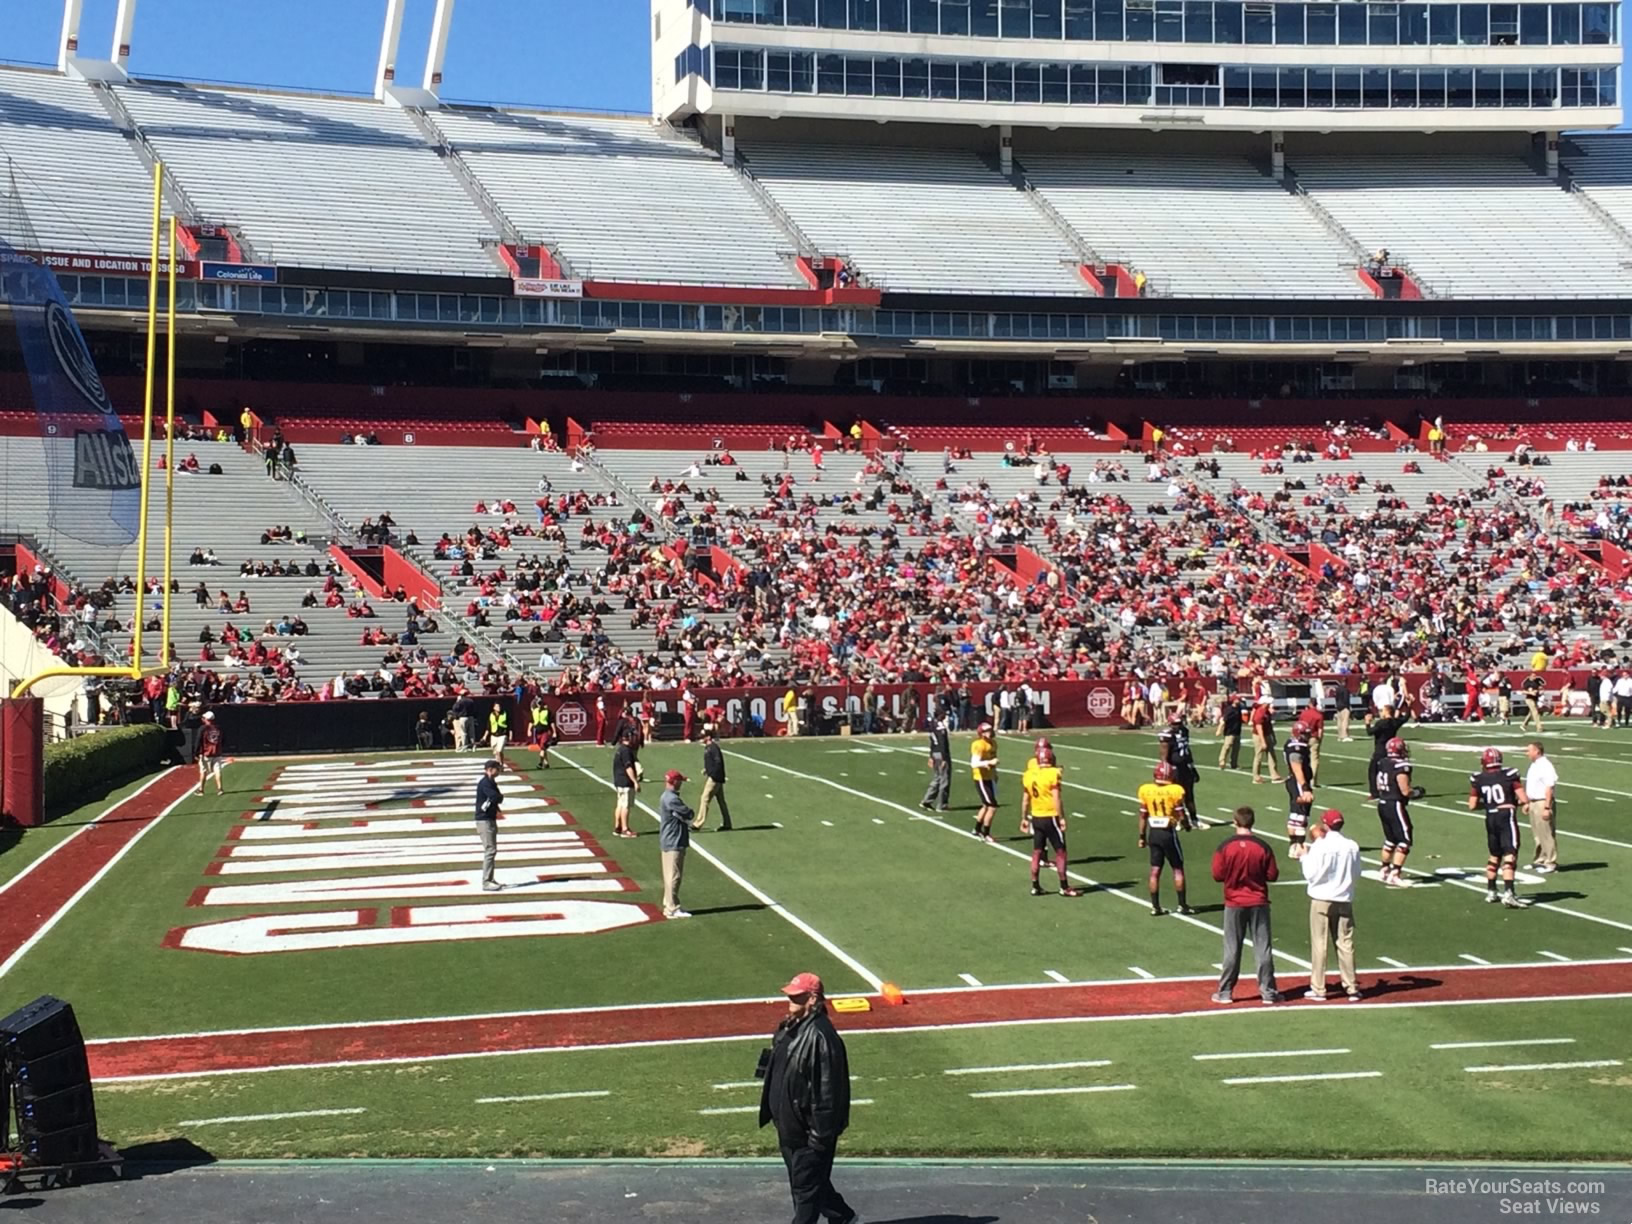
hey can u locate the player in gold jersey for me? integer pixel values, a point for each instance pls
(983, 769)
(1040, 805)
(1161, 812)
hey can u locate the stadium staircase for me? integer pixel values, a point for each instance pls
(474, 187)
(1362, 257)
(1109, 278)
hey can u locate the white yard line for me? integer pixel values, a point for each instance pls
(1057, 976)
(1143, 901)
(1268, 1054)
(1554, 956)
(970, 979)
(1302, 1079)
(541, 1096)
(1392, 963)
(732, 1109)
(1472, 959)
(81, 831)
(271, 1117)
(732, 1084)
(1556, 1066)
(1013, 1067)
(1138, 972)
(1038, 1092)
(1488, 1045)
(776, 907)
(47, 926)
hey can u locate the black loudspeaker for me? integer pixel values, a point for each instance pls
(43, 1055)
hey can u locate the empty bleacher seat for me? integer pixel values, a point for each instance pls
(316, 181)
(919, 220)
(1196, 226)
(622, 200)
(79, 178)
(1471, 225)
(1601, 166)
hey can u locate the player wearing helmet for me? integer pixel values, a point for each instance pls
(1161, 814)
(1174, 742)
(1391, 781)
(983, 768)
(1382, 728)
(1041, 806)
(1300, 786)
(1496, 788)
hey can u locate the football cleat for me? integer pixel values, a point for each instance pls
(1490, 758)
(1070, 892)
(1491, 898)
(1511, 901)
(1037, 890)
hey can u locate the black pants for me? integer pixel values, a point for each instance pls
(810, 1179)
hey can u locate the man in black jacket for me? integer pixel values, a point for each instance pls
(489, 799)
(807, 1094)
(713, 782)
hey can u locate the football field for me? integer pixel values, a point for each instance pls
(306, 966)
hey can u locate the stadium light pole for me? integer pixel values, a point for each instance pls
(147, 424)
(169, 440)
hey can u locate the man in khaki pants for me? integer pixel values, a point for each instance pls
(1541, 788)
(674, 838)
(1331, 865)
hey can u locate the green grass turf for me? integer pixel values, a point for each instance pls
(19, 847)
(1425, 1106)
(911, 899)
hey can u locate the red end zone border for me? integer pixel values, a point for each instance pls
(388, 1042)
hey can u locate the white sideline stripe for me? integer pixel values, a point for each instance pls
(1143, 902)
(970, 979)
(272, 1117)
(670, 1005)
(47, 926)
(84, 828)
(1036, 1092)
(542, 1096)
(1603, 799)
(1390, 961)
(776, 907)
(1056, 1066)
(758, 1036)
(1269, 1054)
(1056, 975)
(1628, 951)
(748, 1109)
(1554, 956)
(1489, 1045)
(1605, 841)
(1470, 957)
(1558, 1066)
(1302, 1079)
(729, 1084)
(1546, 905)
(1144, 973)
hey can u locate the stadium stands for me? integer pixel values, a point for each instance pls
(313, 181)
(1471, 225)
(919, 220)
(622, 200)
(1197, 226)
(79, 177)
(1601, 166)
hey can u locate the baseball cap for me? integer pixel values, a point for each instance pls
(803, 983)
(673, 776)
(209, 715)
(1332, 818)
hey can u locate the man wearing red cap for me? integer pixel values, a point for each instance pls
(807, 1094)
(673, 839)
(1331, 865)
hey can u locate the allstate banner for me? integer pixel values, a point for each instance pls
(92, 476)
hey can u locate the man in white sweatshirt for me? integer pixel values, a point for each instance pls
(1331, 865)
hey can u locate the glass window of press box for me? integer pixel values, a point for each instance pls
(1195, 21)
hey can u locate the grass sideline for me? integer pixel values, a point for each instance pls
(830, 829)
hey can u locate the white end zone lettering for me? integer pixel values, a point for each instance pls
(567, 877)
(409, 925)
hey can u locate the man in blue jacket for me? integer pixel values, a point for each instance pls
(807, 1094)
(489, 799)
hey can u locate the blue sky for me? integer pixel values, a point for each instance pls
(591, 54)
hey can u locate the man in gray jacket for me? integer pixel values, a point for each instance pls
(939, 792)
(673, 839)
(807, 1094)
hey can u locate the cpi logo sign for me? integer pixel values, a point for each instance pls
(1101, 703)
(571, 718)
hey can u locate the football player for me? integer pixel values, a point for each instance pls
(1391, 782)
(983, 768)
(1300, 786)
(1041, 807)
(1384, 728)
(1161, 813)
(1497, 789)
(1175, 748)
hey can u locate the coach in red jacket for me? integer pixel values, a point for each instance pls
(1246, 866)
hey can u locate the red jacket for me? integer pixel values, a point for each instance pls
(1246, 866)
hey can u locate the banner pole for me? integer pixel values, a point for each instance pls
(169, 441)
(147, 426)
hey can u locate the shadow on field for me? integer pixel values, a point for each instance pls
(164, 1156)
(727, 909)
(939, 1219)
(1562, 867)
(1407, 984)
(1094, 858)
(764, 828)
(1110, 886)
(1542, 898)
